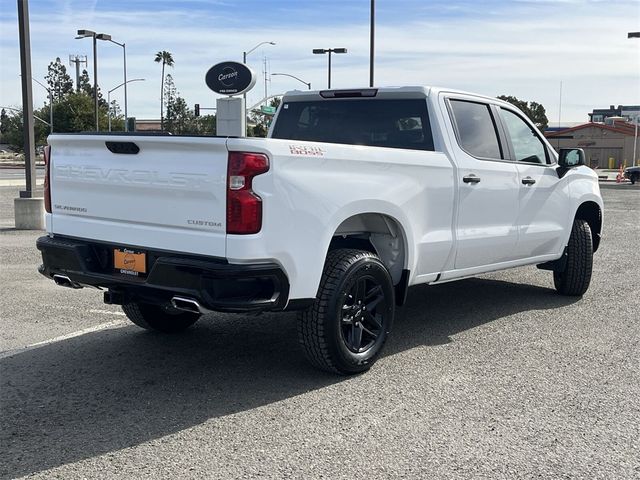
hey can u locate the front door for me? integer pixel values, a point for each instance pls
(542, 221)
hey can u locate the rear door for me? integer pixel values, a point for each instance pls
(486, 225)
(158, 192)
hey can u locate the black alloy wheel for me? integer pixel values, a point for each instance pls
(346, 328)
(363, 309)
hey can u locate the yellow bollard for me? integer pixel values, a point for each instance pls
(612, 163)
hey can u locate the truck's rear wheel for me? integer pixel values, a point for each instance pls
(575, 279)
(159, 318)
(345, 329)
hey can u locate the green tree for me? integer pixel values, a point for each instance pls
(535, 111)
(165, 58)
(182, 118)
(86, 87)
(261, 121)
(84, 84)
(58, 80)
(4, 119)
(12, 134)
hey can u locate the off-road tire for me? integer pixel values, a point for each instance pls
(575, 279)
(159, 318)
(321, 328)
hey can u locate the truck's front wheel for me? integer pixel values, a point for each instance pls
(159, 318)
(345, 329)
(575, 278)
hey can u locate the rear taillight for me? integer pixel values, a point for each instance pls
(244, 207)
(47, 179)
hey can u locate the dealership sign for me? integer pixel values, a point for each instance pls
(230, 78)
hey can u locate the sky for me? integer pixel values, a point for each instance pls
(524, 48)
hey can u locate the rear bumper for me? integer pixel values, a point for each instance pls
(212, 282)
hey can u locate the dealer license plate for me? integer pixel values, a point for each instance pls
(130, 262)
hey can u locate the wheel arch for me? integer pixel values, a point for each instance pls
(382, 234)
(591, 212)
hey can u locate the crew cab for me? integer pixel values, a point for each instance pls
(355, 196)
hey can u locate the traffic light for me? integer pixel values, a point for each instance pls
(197, 109)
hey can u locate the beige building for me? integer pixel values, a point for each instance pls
(605, 146)
(143, 125)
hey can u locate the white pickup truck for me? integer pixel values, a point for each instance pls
(355, 196)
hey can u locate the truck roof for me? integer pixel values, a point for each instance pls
(413, 91)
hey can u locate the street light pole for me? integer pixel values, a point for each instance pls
(27, 100)
(635, 137)
(244, 60)
(635, 140)
(107, 37)
(91, 33)
(321, 51)
(109, 100)
(371, 40)
(308, 84)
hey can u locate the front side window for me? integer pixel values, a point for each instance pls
(527, 146)
(476, 130)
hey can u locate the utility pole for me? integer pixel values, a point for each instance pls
(77, 60)
(264, 65)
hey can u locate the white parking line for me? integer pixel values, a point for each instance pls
(84, 331)
(107, 312)
(10, 182)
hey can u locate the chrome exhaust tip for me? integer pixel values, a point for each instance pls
(65, 281)
(187, 305)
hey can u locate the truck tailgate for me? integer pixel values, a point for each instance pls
(170, 194)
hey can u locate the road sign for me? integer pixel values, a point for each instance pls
(268, 110)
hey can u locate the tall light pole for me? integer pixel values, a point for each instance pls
(308, 84)
(244, 60)
(635, 140)
(85, 34)
(322, 51)
(635, 137)
(107, 38)
(27, 100)
(109, 99)
(372, 35)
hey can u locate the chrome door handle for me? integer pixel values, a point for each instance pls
(471, 178)
(528, 181)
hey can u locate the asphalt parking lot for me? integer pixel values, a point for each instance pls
(493, 377)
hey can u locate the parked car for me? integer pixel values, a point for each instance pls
(355, 196)
(632, 173)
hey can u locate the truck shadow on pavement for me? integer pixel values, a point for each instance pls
(117, 388)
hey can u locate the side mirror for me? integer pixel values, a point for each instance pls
(571, 157)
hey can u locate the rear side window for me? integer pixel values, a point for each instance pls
(373, 122)
(476, 129)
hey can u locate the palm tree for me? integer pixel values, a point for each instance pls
(167, 59)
